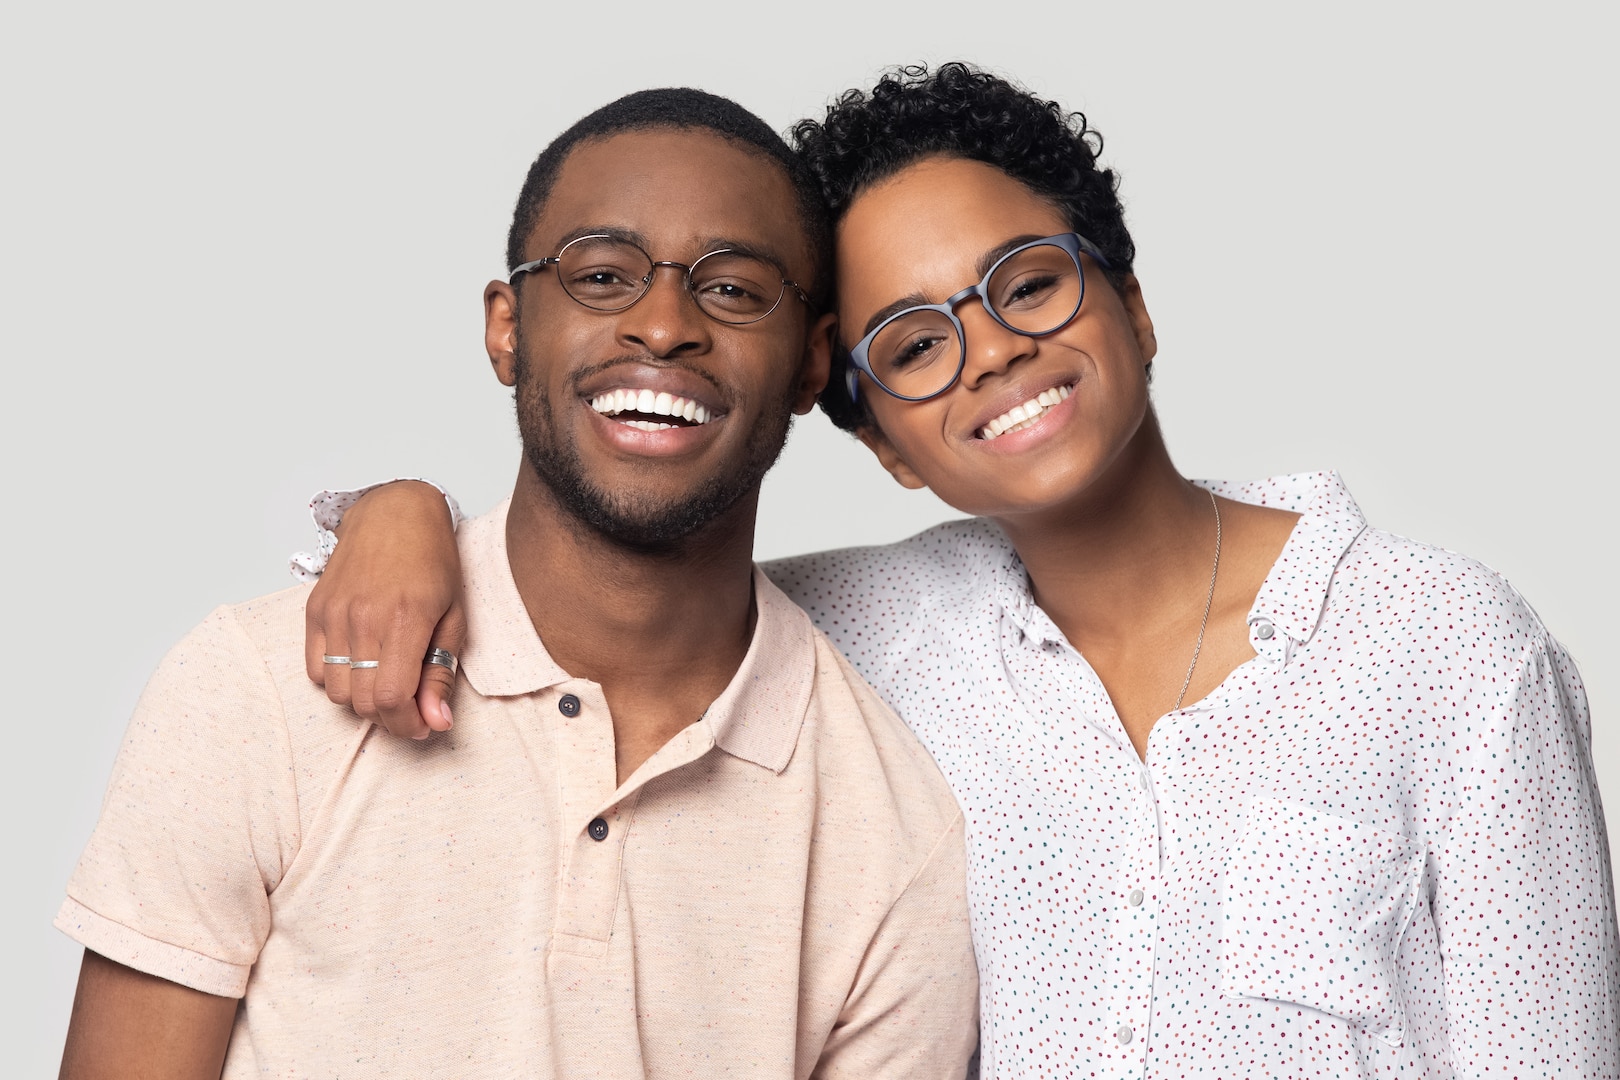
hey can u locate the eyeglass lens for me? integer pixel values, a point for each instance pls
(1034, 291)
(609, 274)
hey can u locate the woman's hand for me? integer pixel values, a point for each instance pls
(391, 592)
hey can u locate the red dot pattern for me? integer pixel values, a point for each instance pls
(1376, 849)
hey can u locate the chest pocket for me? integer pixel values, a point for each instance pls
(1313, 908)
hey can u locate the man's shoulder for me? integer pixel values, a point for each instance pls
(240, 671)
(863, 748)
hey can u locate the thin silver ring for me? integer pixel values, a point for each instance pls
(443, 657)
(334, 659)
(356, 665)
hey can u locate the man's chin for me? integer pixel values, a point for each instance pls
(641, 520)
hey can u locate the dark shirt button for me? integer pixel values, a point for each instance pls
(598, 829)
(569, 706)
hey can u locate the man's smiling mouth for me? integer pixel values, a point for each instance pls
(650, 411)
(1022, 416)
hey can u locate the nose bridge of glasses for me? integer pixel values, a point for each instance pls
(686, 301)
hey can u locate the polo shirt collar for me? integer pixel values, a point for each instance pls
(756, 718)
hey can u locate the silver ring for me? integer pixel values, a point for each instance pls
(334, 659)
(355, 665)
(443, 657)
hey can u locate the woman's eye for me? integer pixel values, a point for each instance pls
(1030, 287)
(917, 349)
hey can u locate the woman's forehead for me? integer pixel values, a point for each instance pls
(925, 229)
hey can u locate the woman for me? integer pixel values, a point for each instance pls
(1252, 788)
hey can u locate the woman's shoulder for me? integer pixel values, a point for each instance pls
(948, 559)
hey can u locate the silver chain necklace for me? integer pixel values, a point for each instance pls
(1208, 600)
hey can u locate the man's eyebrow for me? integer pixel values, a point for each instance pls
(744, 247)
(981, 267)
(615, 231)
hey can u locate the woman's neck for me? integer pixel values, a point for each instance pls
(1131, 546)
(1128, 573)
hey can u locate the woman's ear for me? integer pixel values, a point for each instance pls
(817, 365)
(1141, 321)
(889, 457)
(500, 330)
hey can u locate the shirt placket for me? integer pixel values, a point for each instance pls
(591, 871)
(1135, 924)
(1134, 930)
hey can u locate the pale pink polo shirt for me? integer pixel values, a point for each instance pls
(778, 892)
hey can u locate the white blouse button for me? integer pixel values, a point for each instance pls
(1136, 898)
(1125, 1034)
(1263, 630)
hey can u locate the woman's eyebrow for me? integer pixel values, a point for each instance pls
(981, 267)
(988, 259)
(894, 308)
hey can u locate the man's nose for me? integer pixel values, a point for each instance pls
(666, 321)
(989, 348)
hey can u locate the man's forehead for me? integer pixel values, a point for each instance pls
(674, 186)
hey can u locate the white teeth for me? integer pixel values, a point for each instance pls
(662, 403)
(1022, 416)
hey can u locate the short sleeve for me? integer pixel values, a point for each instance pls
(199, 821)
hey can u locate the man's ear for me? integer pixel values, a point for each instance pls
(889, 457)
(500, 330)
(816, 367)
(1141, 321)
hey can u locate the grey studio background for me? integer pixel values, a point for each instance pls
(244, 248)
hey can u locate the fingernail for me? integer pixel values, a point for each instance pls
(444, 711)
(422, 736)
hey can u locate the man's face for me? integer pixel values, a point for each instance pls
(653, 477)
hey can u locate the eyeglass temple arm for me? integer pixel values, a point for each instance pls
(524, 268)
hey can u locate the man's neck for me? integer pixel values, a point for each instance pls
(662, 632)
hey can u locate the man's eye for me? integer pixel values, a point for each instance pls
(727, 290)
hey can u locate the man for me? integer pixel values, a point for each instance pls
(679, 836)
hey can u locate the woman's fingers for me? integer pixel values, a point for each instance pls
(393, 579)
(439, 679)
(393, 684)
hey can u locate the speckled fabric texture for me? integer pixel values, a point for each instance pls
(1376, 849)
(780, 890)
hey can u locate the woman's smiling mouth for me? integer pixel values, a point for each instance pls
(1022, 416)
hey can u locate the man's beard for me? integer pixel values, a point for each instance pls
(643, 523)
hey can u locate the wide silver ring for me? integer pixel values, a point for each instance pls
(355, 665)
(334, 659)
(443, 657)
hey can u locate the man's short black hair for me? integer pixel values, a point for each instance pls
(678, 107)
(959, 111)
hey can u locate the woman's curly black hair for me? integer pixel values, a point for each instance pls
(959, 111)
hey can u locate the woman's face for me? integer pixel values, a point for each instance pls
(925, 232)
